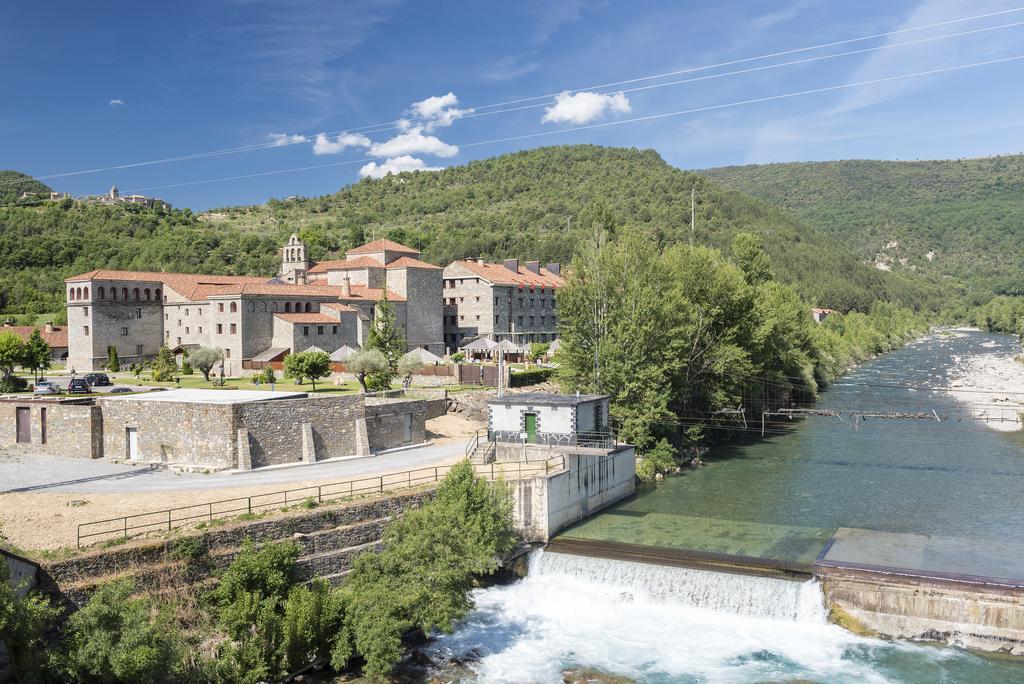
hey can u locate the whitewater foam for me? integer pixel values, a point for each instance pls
(656, 624)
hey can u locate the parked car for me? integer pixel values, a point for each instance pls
(46, 387)
(121, 390)
(79, 386)
(98, 380)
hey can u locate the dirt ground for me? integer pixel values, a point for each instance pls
(38, 521)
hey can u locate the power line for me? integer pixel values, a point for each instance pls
(619, 122)
(391, 125)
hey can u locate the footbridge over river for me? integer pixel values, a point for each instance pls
(910, 528)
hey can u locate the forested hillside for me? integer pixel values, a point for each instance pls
(12, 184)
(540, 203)
(959, 222)
(536, 204)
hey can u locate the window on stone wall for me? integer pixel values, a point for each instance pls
(138, 313)
(234, 307)
(186, 312)
(227, 353)
(186, 330)
(124, 331)
(138, 350)
(220, 307)
(234, 328)
(305, 331)
(85, 310)
(220, 329)
(334, 330)
(200, 330)
(85, 330)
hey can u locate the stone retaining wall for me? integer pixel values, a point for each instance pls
(395, 423)
(73, 428)
(330, 537)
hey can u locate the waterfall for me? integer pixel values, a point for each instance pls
(748, 595)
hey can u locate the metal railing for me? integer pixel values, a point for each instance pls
(165, 520)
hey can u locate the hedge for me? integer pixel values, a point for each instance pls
(533, 376)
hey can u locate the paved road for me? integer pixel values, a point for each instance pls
(26, 473)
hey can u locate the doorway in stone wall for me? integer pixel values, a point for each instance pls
(132, 442)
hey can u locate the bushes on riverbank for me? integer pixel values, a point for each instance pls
(1001, 314)
(261, 623)
(678, 335)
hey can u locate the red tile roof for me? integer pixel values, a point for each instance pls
(306, 318)
(499, 275)
(359, 292)
(409, 262)
(380, 246)
(345, 265)
(337, 306)
(57, 338)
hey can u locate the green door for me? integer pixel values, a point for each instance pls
(531, 428)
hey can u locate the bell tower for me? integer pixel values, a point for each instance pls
(294, 262)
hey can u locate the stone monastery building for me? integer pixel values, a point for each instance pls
(327, 305)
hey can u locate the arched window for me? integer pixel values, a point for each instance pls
(273, 307)
(135, 294)
(287, 307)
(298, 307)
(309, 307)
(113, 293)
(157, 294)
(124, 293)
(103, 293)
(252, 307)
(264, 307)
(85, 292)
(148, 294)
(233, 307)
(71, 295)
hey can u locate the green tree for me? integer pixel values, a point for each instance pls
(750, 256)
(205, 359)
(311, 365)
(113, 363)
(366, 363)
(386, 337)
(275, 625)
(407, 367)
(12, 352)
(538, 350)
(422, 577)
(164, 367)
(117, 638)
(37, 354)
(24, 620)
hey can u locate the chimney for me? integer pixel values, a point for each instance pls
(480, 261)
(512, 265)
(49, 327)
(555, 268)
(533, 267)
(346, 286)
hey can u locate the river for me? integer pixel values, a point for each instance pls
(950, 485)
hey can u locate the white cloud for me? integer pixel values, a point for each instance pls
(581, 108)
(413, 142)
(439, 111)
(324, 144)
(116, 102)
(282, 139)
(395, 165)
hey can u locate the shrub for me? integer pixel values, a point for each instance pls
(116, 638)
(24, 621)
(186, 369)
(534, 376)
(12, 383)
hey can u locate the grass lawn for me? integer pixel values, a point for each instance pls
(196, 381)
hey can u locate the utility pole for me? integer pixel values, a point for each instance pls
(693, 212)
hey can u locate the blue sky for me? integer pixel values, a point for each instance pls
(96, 85)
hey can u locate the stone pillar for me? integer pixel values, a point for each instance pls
(362, 440)
(308, 447)
(244, 455)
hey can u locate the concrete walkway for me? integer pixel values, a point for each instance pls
(43, 474)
